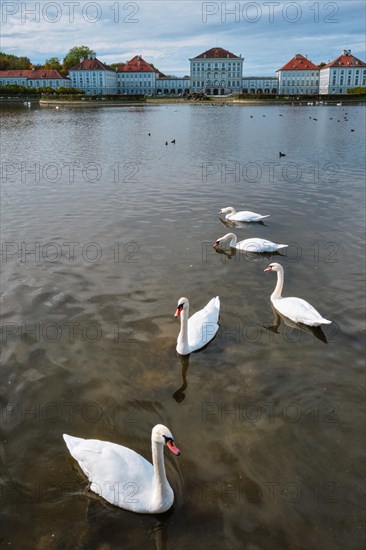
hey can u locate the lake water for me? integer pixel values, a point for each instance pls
(104, 228)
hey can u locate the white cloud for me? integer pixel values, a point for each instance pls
(167, 33)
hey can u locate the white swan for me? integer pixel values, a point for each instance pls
(123, 477)
(296, 309)
(243, 216)
(250, 245)
(198, 330)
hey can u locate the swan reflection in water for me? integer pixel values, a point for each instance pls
(317, 332)
(179, 395)
(231, 223)
(160, 534)
(99, 514)
(253, 256)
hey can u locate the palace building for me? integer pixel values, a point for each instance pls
(34, 78)
(93, 77)
(298, 77)
(345, 72)
(136, 77)
(216, 72)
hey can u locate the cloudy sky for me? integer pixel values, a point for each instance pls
(169, 32)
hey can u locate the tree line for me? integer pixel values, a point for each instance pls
(72, 58)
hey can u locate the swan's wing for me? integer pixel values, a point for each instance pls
(118, 474)
(247, 215)
(299, 311)
(252, 245)
(256, 244)
(203, 325)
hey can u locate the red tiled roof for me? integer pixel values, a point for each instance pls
(299, 63)
(91, 65)
(216, 53)
(346, 61)
(138, 65)
(32, 74)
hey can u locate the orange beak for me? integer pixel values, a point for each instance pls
(179, 309)
(173, 448)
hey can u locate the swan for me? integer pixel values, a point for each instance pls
(197, 331)
(296, 309)
(250, 245)
(123, 477)
(243, 216)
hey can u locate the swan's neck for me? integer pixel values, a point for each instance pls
(183, 334)
(277, 293)
(234, 239)
(161, 485)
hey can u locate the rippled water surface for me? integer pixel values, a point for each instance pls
(103, 228)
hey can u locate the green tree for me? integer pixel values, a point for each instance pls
(115, 65)
(9, 61)
(322, 64)
(52, 63)
(356, 91)
(73, 57)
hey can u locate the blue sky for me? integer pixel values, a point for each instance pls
(169, 32)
